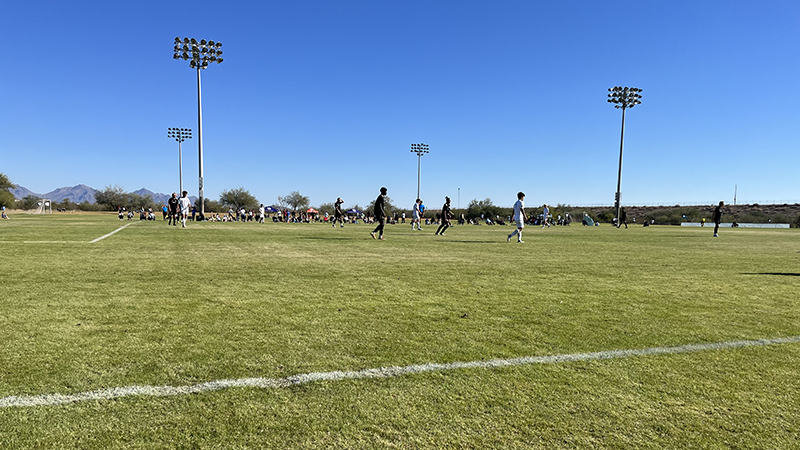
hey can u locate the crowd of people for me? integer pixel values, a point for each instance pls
(181, 209)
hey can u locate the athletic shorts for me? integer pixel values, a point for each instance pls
(520, 224)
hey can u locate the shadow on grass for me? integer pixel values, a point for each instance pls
(317, 238)
(775, 273)
(480, 242)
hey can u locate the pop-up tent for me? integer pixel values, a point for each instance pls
(353, 211)
(312, 211)
(270, 209)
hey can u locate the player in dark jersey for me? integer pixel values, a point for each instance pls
(337, 212)
(173, 209)
(717, 217)
(446, 215)
(380, 214)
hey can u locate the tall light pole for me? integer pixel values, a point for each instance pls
(624, 98)
(419, 149)
(199, 54)
(180, 135)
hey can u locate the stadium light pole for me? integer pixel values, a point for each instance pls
(622, 98)
(419, 149)
(180, 135)
(199, 54)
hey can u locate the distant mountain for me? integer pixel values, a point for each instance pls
(82, 193)
(158, 198)
(76, 194)
(21, 192)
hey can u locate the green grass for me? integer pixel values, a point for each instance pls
(159, 305)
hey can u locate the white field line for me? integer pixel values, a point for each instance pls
(109, 234)
(384, 372)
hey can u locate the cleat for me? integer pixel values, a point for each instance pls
(520, 242)
(372, 233)
(509, 238)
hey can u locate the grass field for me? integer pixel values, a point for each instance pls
(154, 305)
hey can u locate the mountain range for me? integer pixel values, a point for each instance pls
(82, 193)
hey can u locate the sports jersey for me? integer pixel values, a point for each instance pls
(518, 207)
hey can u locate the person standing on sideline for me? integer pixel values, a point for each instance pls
(545, 214)
(623, 218)
(337, 213)
(445, 217)
(519, 217)
(185, 205)
(421, 214)
(416, 215)
(717, 217)
(380, 214)
(173, 209)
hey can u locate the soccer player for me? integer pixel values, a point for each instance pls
(416, 215)
(380, 214)
(519, 217)
(545, 213)
(173, 209)
(337, 212)
(445, 217)
(261, 213)
(185, 205)
(717, 217)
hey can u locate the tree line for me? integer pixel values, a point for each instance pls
(114, 197)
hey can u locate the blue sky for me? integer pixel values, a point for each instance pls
(325, 98)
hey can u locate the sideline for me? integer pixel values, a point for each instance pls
(384, 372)
(109, 234)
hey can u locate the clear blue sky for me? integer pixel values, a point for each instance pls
(325, 98)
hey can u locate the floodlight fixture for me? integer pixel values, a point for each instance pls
(419, 149)
(622, 98)
(199, 54)
(180, 135)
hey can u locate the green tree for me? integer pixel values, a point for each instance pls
(210, 205)
(6, 197)
(388, 207)
(5, 182)
(607, 215)
(136, 201)
(112, 197)
(326, 208)
(295, 201)
(477, 207)
(29, 202)
(238, 198)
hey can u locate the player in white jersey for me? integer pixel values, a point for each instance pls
(545, 215)
(519, 217)
(185, 205)
(416, 215)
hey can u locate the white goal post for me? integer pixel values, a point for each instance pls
(43, 206)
